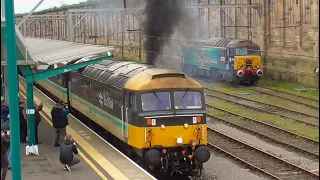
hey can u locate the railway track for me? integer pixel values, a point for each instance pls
(308, 102)
(300, 117)
(256, 159)
(292, 94)
(291, 140)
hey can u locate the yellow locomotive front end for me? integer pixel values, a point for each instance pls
(247, 63)
(168, 128)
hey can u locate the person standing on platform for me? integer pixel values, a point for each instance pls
(4, 110)
(5, 144)
(23, 123)
(67, 149)
(60, 122)
(5, 127)
(38, 120)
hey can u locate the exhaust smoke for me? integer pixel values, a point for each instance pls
(162, 17)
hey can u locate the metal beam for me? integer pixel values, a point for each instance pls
(11, 49)
(29, 14)
(188, 7)
(48, 15)
(53, 72)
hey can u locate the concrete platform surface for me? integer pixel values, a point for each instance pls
(47, 166)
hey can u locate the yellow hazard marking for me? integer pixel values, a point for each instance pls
(99, 158)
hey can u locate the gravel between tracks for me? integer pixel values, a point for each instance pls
(291, 139)
(220, 167)
(268, 147)
(267, 162)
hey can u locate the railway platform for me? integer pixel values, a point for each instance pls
(46, 165)
(100, 160)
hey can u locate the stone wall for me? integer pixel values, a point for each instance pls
(286, 30)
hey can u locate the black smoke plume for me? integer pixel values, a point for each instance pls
(162, 17)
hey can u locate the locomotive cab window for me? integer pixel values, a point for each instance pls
(156, 101)
(187, 100)
(244, 52)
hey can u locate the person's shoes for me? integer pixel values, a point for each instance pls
(56, 145)
(67, 167)
(38, 143)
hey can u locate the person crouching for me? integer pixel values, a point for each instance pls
(67, 149)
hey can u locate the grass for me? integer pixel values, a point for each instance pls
(256, 95)
(278, 121)
(290, 88)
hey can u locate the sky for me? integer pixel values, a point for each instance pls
(25, 6)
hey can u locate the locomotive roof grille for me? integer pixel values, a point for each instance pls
(113, 73)
(136, 76)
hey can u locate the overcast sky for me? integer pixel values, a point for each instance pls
(23, 6)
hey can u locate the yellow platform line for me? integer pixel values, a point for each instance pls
(99, 158)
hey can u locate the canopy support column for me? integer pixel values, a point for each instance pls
(31, 148)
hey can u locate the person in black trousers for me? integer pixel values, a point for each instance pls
(23, 123)
(37, 120)
(60, 122)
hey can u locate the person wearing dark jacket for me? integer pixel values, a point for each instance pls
(60, 122)
(67, 149)
(5, 144)
(23, 123)
(38, 120)
(4, 110)
(5, 127)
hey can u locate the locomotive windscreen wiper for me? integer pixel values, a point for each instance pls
(184, 94)
(157, 96)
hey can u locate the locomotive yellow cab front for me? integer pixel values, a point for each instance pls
(170, 119)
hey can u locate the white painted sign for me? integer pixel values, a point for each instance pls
(105, 99)
(194, 120)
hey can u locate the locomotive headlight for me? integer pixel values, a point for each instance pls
(179, 140)
(185, 125)
(162, 126)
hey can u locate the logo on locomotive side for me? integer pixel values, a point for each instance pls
(105, 99)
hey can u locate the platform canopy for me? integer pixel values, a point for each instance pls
(48, 52)
(36, 51)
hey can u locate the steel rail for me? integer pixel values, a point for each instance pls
(268, 162)
(273, 136)
(315, 124)
(262, 103)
